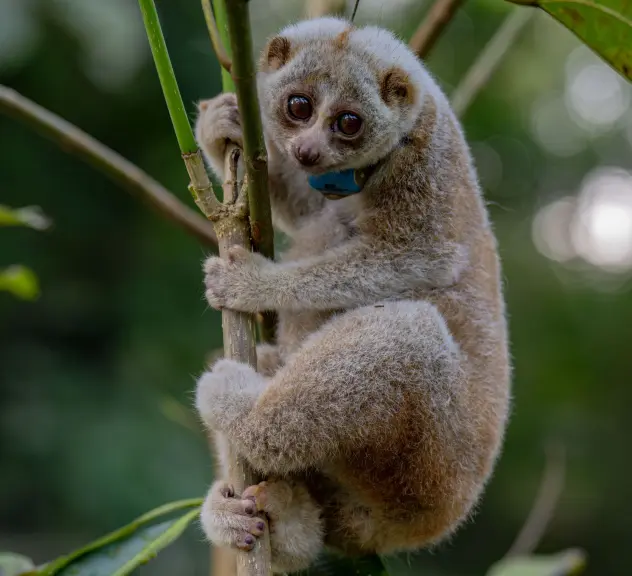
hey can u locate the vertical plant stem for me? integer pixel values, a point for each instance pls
(239, 344)
(181, 125)
(200, 186)
(224, 561)
(219, 8)
(255, 156)
(233, 23)
(231, 227)
(216, 40)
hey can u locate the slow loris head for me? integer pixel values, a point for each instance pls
(336, 97)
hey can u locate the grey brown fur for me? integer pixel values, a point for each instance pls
(379, 415)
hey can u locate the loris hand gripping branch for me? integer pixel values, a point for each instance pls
(378, 416)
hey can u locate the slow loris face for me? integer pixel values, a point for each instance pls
(332, 103)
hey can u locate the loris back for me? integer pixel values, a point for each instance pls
(381, 411)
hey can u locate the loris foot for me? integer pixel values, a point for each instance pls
(229, 520)
(273, 498)
(296, 530)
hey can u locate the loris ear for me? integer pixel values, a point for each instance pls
(396, 87)
(276, 54)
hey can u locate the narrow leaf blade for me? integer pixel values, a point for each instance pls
(122, 551)
(123, 557)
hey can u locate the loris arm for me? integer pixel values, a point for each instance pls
(347, 276)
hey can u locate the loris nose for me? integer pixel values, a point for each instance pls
(306, 155)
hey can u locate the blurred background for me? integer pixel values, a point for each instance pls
(96, 376)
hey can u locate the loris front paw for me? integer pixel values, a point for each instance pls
(227, 393)
(235, 282)
(217, 124)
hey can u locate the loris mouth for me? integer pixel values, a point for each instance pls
(325, 168)
(317, 170)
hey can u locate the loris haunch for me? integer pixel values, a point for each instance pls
(379, 414)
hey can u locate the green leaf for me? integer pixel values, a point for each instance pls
(31, 216)
(20, 281)
(12, 564)
(603, 25)
(125, 549)
(567, 563)
(333, 565)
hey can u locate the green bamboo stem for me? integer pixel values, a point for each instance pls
(255, 155)
(219, 8)
(179, 119)
(200, 186)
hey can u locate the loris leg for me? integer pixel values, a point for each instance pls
(296, 533)
(346, 387)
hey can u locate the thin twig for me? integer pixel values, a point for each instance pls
(213, 32)
(355, 10)
(490, 58)
(431, 27)
(129, 176)
(548, 496)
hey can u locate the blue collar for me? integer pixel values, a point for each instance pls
(336, 185)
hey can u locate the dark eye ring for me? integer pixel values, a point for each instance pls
(299, 107)
(348, 123)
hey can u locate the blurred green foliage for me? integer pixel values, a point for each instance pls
(17, 279)
(121, 324)
(604, 25)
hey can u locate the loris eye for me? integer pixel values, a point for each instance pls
(348, 123)
(299, 107)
